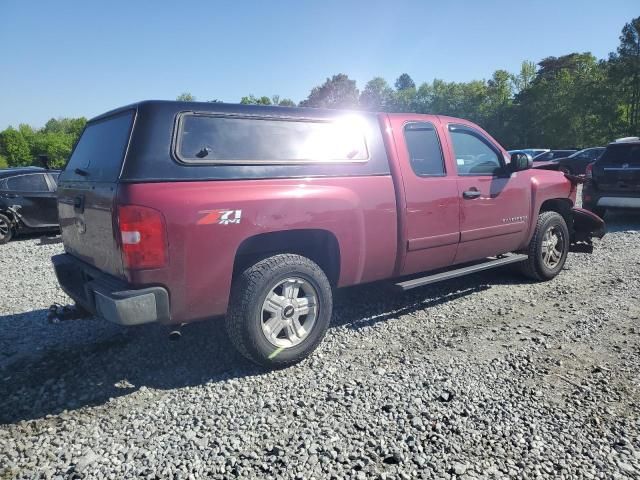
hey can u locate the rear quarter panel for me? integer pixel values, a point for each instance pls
(359, 211)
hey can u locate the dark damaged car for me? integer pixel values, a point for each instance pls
(27, 201)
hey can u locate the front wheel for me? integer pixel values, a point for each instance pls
(6, 229)
(548, 248)
(280, 310)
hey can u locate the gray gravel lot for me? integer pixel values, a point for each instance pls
(480, 377)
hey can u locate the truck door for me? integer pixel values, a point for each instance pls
(494, 205)
(431, 195)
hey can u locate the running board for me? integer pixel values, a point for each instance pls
(459, 272)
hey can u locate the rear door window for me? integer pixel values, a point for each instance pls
(425, 153)
(237, 140)
(32, 183)
(100, 151)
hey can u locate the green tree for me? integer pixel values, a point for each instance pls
(185, 97)
(338, 91)
(497, 107)
(625, 74)
(286, 102)
(523, 79)
(561, 107)
(14, 148)
(404, 82)
(71, 126)
(253, 100)
(282, 102)
(377, 95)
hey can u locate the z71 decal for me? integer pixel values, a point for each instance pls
(221, 217)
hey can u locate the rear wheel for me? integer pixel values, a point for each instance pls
(548, 248)
(6, 230)
(280, 310)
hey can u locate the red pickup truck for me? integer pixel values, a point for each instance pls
(174, 212)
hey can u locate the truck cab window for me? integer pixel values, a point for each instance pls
(425, 154)
(473, 154)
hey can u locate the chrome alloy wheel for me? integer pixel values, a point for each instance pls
(4, 228)
(289, 312)
(553, 245)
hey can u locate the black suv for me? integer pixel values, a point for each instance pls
(27, 201)
(613, 181)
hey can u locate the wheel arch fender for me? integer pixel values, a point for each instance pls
(319, 245)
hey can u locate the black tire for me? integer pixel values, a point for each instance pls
(6, 229)
(535, 267)
(245, 316)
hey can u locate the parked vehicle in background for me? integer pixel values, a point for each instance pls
(576, 163)
(613, 181)
(174, 212)
(532, 152)
(27, 201)
(552, 155)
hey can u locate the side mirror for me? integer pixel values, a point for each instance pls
(520, 161)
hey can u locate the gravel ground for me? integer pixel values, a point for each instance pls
(480, 377)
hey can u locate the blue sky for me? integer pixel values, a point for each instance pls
(81, 58)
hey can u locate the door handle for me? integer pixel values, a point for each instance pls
(78, 203)
(470, 194)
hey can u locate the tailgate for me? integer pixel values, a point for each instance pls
(618, 170)
(87, 192)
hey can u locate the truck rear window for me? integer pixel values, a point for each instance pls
(622, 154)
(425, 154)
(218, 139)
(100, 151)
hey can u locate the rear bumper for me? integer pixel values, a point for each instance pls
(618, 202)
(108, 297)
(594, 198)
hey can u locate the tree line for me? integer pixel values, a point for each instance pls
(571, 101)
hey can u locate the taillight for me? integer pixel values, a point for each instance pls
(589, 171)
(143, 237)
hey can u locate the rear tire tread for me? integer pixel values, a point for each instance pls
(247, 285)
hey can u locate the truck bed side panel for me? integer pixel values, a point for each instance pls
(359, 211)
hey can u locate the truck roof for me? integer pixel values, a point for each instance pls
(275, 110)
(238, 108)
(10, 172)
